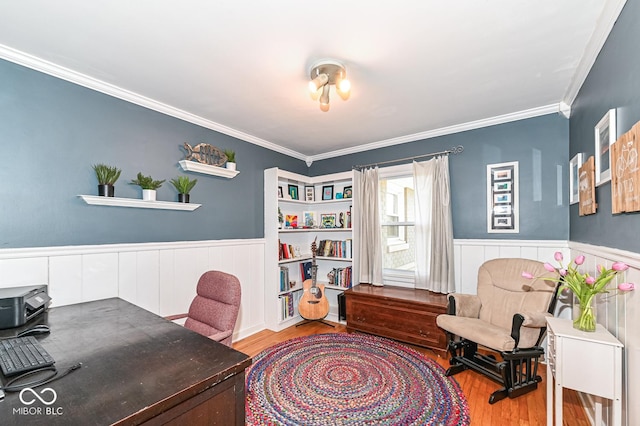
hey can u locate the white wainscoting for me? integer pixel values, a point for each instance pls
(620, 314)
(470, 254)
(159, 277)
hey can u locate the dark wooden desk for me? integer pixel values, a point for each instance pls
(137, 368)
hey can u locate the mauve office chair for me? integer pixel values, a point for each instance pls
(214, 310)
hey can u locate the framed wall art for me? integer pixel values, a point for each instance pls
(625, 172)
(293, 191)
(309, 193)
(587, 188)
(574, 168)
(328, 220)
(605, 136)
(327, 192)
(502, 198)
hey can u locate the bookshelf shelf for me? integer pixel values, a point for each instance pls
(294, 230)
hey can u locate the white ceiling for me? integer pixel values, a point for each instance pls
(418, 68)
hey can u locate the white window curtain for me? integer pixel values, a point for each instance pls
(367, 226)
(434, 226)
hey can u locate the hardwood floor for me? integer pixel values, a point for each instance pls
(526, 410)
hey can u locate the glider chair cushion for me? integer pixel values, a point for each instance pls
(507, 316)
(214, 310)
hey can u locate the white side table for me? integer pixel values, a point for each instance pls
(583, 361)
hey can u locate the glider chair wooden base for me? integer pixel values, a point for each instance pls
(506, 320)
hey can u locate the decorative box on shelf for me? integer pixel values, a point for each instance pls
(194, 166)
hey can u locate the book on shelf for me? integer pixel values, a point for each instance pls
(333, 248)
(284, 279)
(341, 277)
(305, 270)
(285, 251)
(286, 305)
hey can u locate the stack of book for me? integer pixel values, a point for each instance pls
(342, 277)
(286, 305)
(286, 251)
(339, 248)
(284, 279)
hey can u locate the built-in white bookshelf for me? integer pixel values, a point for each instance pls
(333, 222)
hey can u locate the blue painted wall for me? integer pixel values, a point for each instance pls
(52, 131)
(613, 82)
(540, 145)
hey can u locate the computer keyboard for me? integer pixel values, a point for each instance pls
(22, 354)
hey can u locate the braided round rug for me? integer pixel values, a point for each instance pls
(350, 379)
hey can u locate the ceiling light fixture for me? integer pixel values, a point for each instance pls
(324, 75)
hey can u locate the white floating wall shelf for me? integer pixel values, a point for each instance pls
(136, 203)
(194, 166)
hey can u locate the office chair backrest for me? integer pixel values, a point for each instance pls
(504, 292)
(216, 305)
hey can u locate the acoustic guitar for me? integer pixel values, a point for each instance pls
(313, 304)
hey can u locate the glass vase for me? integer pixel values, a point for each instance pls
(585, 320)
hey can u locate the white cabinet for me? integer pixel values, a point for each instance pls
(288, 244)
(589, 362)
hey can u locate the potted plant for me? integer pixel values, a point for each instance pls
(231, 159)
(107, 177)
(148, 185)
(183, 185)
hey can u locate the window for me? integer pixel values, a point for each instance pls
(398, 225)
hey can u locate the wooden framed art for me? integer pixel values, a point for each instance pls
(625, 176)
(574, 167)
(587, 188)
(605, 136)
(502, 198)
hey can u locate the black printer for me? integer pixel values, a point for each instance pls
(21, 304)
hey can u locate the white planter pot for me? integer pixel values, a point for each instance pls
(149, 194)
(231, 166)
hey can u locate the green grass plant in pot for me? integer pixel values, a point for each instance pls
(148, 185)
(231, 159)
(183, 185)
(107, 177)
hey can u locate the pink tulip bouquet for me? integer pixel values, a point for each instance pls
(585, 287)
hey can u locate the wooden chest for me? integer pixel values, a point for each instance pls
(403, 314)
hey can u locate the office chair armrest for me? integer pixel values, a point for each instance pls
(221, 335)
(464, 305)
(175, 317)
(535, 319)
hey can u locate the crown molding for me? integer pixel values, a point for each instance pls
(486, 122)
(608, 18)
(80, 79)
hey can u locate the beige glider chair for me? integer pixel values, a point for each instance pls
(507, 318)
